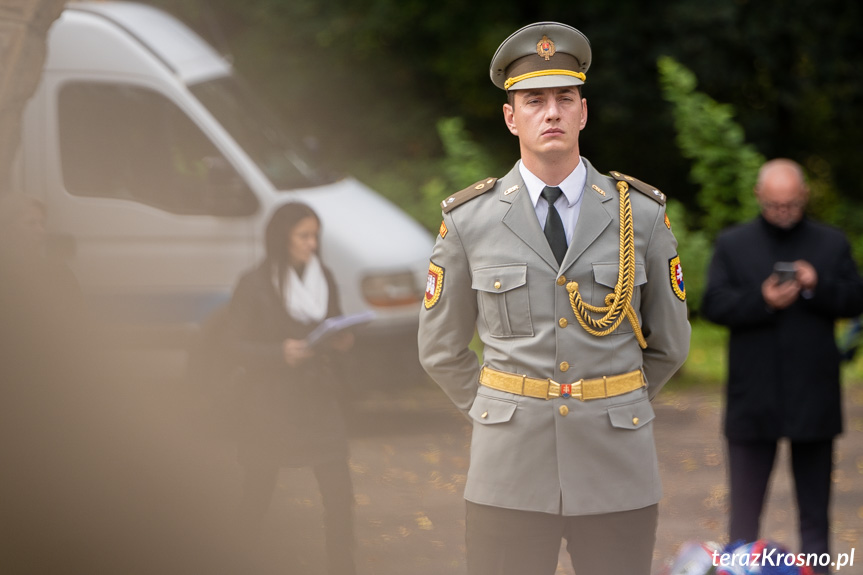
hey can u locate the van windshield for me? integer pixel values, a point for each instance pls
(259, 132)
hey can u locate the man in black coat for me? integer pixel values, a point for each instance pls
(783, 364)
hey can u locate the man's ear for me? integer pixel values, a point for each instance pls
(583, 113)
(509, 118)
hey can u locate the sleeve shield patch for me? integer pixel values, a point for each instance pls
(443, 229)
(434, 285)
(676, 272)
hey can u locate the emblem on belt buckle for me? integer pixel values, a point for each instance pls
(566, 390)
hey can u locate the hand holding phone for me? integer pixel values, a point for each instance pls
(784, 271)
(780, 289)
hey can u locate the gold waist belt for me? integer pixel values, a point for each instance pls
(583, 389)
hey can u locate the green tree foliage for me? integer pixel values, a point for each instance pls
(695, 250)
(369, 79)
(464, 162)
(724, 166)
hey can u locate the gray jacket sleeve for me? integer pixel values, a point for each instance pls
(448, 321)
(664, 314)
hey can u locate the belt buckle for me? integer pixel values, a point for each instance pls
(564, 390)
(553, 389)
(577, 390)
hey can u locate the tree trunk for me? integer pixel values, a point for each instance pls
(23, 28)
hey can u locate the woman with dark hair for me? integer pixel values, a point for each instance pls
(290, 414)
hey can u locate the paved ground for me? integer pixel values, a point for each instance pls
(410, 457)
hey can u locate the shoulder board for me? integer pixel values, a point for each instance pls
(645, 189)
(467, 194)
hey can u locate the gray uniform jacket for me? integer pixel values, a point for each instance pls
(525, 454)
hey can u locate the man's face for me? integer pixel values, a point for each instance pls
(782, 196)
(547, 121)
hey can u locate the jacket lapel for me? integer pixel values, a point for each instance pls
(521, 219)
(594, 217)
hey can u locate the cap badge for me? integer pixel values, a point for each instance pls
(545, 47)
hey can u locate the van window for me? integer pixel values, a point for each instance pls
(260, 133)
(131, 143)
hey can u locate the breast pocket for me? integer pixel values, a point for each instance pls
(503, 299)
(605, 278)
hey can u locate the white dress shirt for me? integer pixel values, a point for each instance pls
(568, 205)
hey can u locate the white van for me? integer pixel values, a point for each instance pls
(159, 170)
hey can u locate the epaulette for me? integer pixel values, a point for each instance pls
(467, 194)
(645, 189)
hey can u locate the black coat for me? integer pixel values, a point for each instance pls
(783, 366)
(288, 416)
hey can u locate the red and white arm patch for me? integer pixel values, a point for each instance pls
(434, 285)
(675, 270)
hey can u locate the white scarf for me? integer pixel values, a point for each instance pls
(306, 298)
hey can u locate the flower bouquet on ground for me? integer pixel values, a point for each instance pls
(760, 557)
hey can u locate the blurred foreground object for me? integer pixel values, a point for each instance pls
(23, 26)
(758, 558)
(160, 168)
(103, 471)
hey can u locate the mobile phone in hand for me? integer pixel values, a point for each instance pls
(784, 271)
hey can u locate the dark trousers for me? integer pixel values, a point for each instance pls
(334, 482)
(750, 464)
(509, 542)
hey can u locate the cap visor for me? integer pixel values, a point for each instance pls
(552, 81)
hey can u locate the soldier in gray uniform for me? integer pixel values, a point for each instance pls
(573, 282)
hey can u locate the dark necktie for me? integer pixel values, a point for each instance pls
(554, 225)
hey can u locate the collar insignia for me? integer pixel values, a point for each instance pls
(511, 190)
(599, 190)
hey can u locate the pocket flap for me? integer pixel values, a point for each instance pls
(489, 410)
(606, 274)
(631, 415)
(498, 279)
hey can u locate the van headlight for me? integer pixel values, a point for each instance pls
(393, 289)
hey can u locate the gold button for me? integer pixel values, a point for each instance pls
(563, 410)
(484, 414)
(634, 421)
(563, 322)
(564, 366)
(561, 280)
(496, 285)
